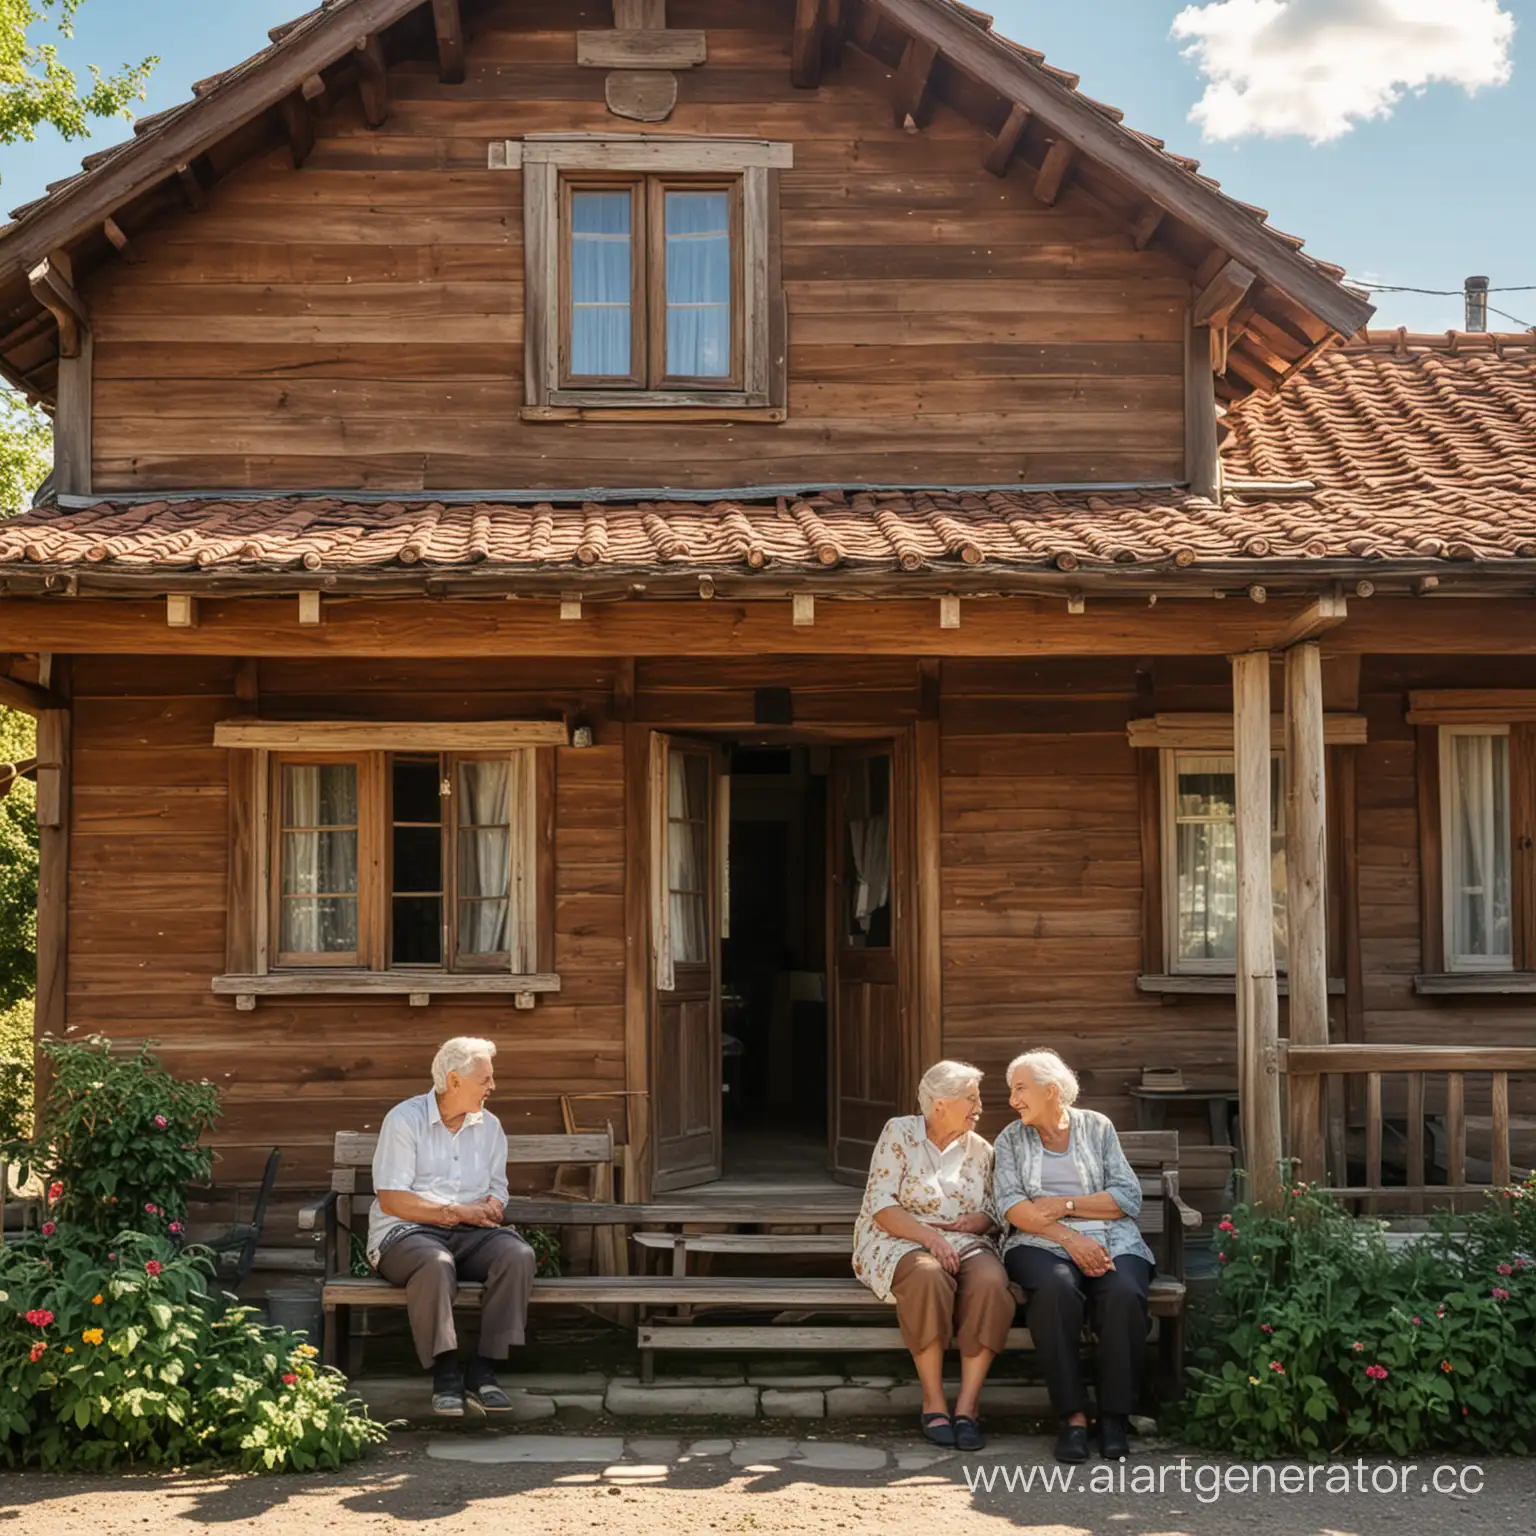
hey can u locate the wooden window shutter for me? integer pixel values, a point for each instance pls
(661, 906)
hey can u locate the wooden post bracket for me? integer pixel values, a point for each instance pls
(642, 56)
(53, 286)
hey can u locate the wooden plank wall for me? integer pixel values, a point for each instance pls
(358, 323)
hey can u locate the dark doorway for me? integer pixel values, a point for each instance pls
(774, 965)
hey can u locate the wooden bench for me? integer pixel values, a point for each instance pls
(346, 1205)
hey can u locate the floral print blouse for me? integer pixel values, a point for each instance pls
(905, 1171)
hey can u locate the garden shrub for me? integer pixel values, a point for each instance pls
(115, 1346)
(1320, 1339)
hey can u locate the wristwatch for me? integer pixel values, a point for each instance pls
(1071, 1207)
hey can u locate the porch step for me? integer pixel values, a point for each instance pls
(783, 1244)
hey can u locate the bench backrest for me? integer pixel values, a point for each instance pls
(353, 1173)
(1152, 1155)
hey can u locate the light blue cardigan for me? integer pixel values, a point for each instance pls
(1101, 1164)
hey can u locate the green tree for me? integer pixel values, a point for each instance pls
(26, 453)
(36, 88)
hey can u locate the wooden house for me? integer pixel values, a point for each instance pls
(738, 547)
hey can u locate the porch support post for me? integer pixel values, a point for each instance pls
(1258, 1002)
(930, 916)
(638, 1161)
(1306, 882)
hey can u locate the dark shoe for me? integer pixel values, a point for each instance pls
(1072, 1444)
(1114, 1437)
(939, 1428)
(490, 1396)
(968, 1435)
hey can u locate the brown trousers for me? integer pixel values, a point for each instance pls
(933, 1306)
(430, 1264)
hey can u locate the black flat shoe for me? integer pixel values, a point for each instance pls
(1072, 1444)
(490, 1396)
(968, 1435)
(1114, 1437)
(939, 1429)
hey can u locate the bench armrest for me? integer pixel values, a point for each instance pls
(335, 1242)
(319, 1213)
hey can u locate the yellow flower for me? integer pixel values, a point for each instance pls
(97, 1299)
(1253, 1381)
(92, 1336)
(69, 1349)
(307, 1350)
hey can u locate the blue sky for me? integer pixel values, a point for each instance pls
(1418, 195)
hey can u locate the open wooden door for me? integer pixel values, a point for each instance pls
(869, 847)
(687, 794)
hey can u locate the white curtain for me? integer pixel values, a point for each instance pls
(870, 841)
(1480, 907)
(688, 856)
(601, 239)
(319, 859)
(485, 842)
(698, 285)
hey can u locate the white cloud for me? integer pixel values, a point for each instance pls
(1318, 67)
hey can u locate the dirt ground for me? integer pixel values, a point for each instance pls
(403, 1487)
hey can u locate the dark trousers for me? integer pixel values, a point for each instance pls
(1061, 1296)
(430, 1263)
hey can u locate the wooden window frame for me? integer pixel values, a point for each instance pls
(639, 298)
(551, 165)
(255, 962)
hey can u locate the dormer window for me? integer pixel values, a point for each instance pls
(652, 276)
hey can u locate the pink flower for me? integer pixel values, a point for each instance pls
(1265, 1328)
(1414, 1321)
(289, 1378)
(1440, 1312)
(161, 1122)
(1357, 1345)
(151, 1210)
(48, 1229)
(38, 1350)
(55, 1191)
(152, 1268)
(1222, 1257)
(1506, 1269)
(1464, 1412)
(175, 1227)
(1226, 1226)
(1500, 1294)
(112, 1256)
(1376, 1372)
(1275, 1366)
(39, 1317)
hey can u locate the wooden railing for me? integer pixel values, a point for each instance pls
(1310, 1068)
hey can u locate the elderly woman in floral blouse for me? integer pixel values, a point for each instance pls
(924, 1241)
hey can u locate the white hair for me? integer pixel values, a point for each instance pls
(1046, 1068)
(945, 1080)
(459, 1055)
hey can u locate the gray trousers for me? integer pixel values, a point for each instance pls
(429, 1265)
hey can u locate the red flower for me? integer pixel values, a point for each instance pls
(153, 1267)
(1265, 1328)
(1500, 1294)
(39, 1317)
(161, 1122)
(55, 1191)
(1376, 1372)
(1506, 1269)
(1226, 1226)
(48, 1229)
(151, 1210)
(38, 1351)
(1464, 1412)
(1277, 1368)
(1447, 1367)
(175, 1226)
(289, 1378)
(1222, 1257)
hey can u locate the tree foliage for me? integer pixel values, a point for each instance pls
(37, 88)
(26, 453)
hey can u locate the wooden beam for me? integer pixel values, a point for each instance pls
(806, 53)
(1218, 303)
(192, 188)
(1018, 626)
(910, 99)
(640, 15)
(1357, 1059)
(677, 48)
(181, 611)
(1202, 444)
(311, 610)
(1147, 226)
(449, 22)
(54, 780)
(53, 287)
(1316, 619)
(28, 697)
(1053, 172)
(1006, 144)
(1258, 1001)
(373, 80)
(298, 122)
(390, 735)
(804, 610)
(949, 613)
(992, 61)
(1306, 875)
(637, 961)
(928, 796)
(120, 241)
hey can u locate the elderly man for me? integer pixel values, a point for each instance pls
(440, 1187)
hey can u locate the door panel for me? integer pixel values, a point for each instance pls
(867, 1052)
(686, 856)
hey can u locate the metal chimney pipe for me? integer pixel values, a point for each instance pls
(1477, 303)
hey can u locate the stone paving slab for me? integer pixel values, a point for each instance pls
(552, 1450)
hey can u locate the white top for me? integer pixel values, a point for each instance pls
(1061, 1176)
(417, 1153)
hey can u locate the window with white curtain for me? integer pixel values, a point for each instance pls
(651, 283)
(1200, 861)
(1476, 852)
(406, 861)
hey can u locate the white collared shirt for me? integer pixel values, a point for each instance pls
(417, 1153)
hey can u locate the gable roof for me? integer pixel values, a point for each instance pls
(1298, 304)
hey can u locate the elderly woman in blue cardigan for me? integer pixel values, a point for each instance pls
(1069, 1201)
